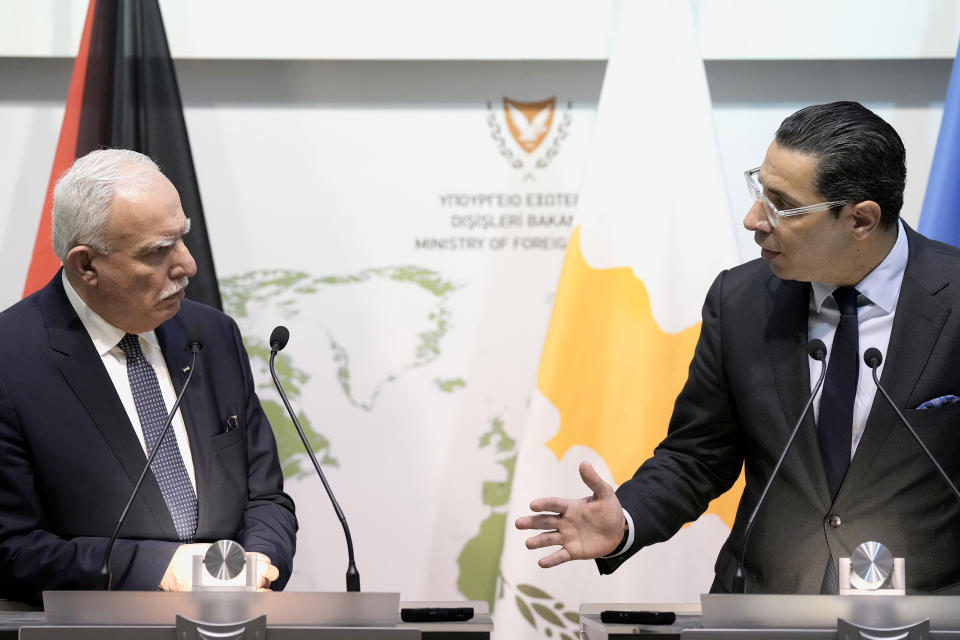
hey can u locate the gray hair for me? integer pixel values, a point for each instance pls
(82, 197)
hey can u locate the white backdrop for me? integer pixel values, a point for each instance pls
(320, 174)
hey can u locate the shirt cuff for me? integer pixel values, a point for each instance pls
(627, 541)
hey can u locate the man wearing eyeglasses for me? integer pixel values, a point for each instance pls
(837, 264)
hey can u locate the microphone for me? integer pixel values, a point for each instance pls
(818, 351)
(278, 340)
(873, 359)
(104, 578)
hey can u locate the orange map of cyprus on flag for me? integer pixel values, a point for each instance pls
(611, 372)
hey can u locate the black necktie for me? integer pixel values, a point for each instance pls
(839, 391)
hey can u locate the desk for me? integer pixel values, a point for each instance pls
(479, 628)
(778, 617)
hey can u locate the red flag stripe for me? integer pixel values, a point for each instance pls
(43, 262)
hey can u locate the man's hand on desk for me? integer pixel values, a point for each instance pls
(179, 574)
(266, 572)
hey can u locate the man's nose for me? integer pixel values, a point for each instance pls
(184, 265)
(756, 219)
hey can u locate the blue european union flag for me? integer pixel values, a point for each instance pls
(940, 216)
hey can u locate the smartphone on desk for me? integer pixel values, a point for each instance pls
(612, 616)
(436, 614)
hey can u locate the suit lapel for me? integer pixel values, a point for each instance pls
(84, 373)
(917, 325)
(786, 336)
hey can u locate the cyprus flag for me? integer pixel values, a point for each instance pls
(655, 230)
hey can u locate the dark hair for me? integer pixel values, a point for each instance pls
(860, 157)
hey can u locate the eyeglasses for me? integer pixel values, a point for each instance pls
(755, 189)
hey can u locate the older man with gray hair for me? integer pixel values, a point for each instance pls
(93, 362)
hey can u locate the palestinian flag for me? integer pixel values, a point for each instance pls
(124, 94)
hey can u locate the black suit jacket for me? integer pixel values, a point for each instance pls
(747, 385)
(69, 456)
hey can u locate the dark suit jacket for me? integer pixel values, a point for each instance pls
(69, 456)
(748, 382)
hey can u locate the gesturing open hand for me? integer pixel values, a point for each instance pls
(584, 528)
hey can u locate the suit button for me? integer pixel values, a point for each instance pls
(834, 520)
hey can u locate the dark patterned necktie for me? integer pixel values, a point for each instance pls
(167, 466)
(835, 429)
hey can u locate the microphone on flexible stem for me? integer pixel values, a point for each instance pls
(278, 340)
(873, 359)
(818, 351)
(104, 578)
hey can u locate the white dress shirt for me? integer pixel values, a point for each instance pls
(105, 337)
(876, 306)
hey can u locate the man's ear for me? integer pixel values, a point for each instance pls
(79, 265)
(865, 217)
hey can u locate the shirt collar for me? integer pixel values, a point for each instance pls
(882, 285)
(104, 335)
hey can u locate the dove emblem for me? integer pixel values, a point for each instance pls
(529, 122)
